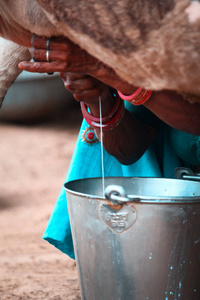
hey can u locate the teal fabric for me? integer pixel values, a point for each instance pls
(187, 146)
(159, 160)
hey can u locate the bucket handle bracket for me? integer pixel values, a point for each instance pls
(186, 173)
(116, 194)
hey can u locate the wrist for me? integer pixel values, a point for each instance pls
(107, 100)
(107, 122)
(128, 90)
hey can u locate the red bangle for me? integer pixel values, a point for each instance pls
(129, 97)
(139, 97)
(110, 124)
(104, 118)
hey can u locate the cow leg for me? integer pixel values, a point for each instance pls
(10, 56)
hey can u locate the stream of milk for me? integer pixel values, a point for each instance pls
(101, 140)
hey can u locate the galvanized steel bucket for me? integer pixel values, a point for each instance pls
(139, 242)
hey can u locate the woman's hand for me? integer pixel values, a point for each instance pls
(88, 89)
(83, 87)
(65, 56)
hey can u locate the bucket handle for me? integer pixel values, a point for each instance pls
(116, 194)
(186, 173)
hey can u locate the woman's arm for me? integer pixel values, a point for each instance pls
(171, 108)
(67, 57)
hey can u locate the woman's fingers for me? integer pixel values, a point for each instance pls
(42, 67)
(77, 82)
(80, 84)
(88, 96)
(59, 43)
(73, 57)
(38, 42)
(53, 66)
(58, 61)
(72, 76)
(57, 55)
(53, 55)
(83, 87)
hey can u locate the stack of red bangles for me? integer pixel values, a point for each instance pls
(110, 121)
(113, 118)
(140, 96)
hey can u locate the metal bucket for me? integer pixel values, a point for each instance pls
(140, 242)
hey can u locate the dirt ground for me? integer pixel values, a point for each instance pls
(33, 163)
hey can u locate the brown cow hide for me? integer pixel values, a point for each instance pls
(151, 43)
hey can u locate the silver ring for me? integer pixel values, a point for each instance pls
(47, 44)
(47, 55)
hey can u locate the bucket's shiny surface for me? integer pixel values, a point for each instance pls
(149, 249)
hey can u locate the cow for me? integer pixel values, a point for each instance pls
(150, 43)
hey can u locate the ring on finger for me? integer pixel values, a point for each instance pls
(47, 44)
(47, 48)
(47, 52)
(47, 55)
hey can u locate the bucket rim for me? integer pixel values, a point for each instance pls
(139, 199)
